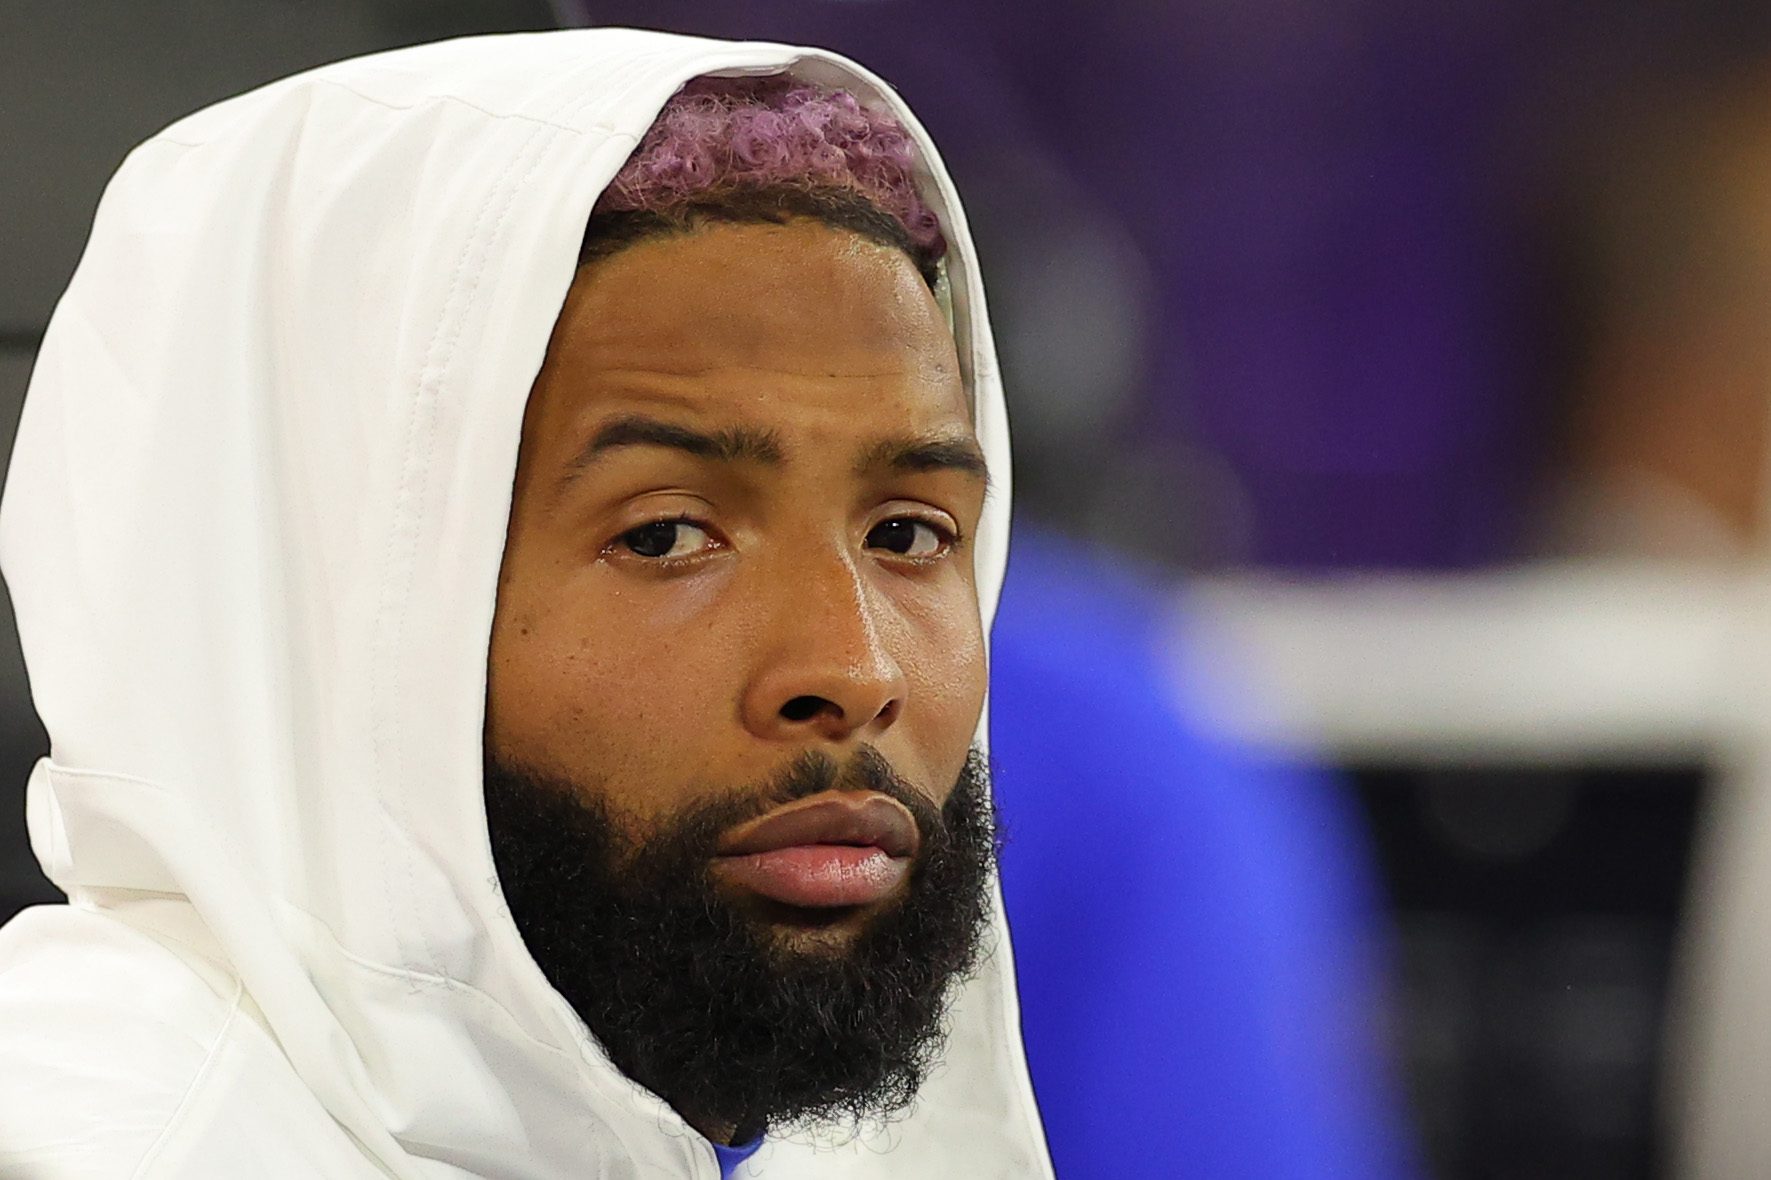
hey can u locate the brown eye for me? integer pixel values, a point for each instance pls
(666, 538)
(907, 537)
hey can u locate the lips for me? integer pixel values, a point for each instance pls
(832, 849)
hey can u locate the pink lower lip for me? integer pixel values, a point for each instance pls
(818, 875)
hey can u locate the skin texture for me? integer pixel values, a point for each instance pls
(816, 602)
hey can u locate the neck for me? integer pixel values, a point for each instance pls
(726, 1132)
(716, 1132)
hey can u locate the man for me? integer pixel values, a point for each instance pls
(506, 575)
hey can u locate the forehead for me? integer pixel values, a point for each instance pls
(798, 323)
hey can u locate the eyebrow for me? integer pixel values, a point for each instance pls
(919, 453)
(937, 452)
(733, 444)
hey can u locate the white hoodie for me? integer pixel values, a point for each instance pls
(252, 528)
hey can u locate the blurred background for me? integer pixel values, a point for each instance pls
(1419, 355)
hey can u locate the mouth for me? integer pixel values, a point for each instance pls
(835, 849)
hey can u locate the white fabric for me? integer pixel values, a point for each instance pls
(252, 529)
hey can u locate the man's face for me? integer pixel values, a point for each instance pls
(737, 619)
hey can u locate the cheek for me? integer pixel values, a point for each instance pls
(601, 682)
(948, 675)
(957, 677)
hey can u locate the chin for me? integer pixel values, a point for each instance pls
(826, 942)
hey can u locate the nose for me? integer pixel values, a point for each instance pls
(827, 672)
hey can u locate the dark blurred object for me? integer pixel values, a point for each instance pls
(22, 739)
(81, 84)
(1537, 912)
(1537, 749)
(1661, 244)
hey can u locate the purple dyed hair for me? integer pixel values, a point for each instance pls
(767, 149)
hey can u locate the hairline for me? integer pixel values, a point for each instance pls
(610, 232)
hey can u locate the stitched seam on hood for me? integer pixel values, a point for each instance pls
(420, 440)
(148, 1158)
(432, 99)
(429, 980)
(225, 132)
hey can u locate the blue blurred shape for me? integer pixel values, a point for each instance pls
(1194, 930)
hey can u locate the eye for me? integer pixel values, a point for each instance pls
(909, 537)
(666, 539)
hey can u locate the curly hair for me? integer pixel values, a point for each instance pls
(767, 149)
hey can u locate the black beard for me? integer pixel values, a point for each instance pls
(692, 997)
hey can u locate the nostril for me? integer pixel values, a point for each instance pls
(805, 708)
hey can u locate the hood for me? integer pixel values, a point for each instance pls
(253, 527)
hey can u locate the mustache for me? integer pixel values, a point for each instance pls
(814, 772)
